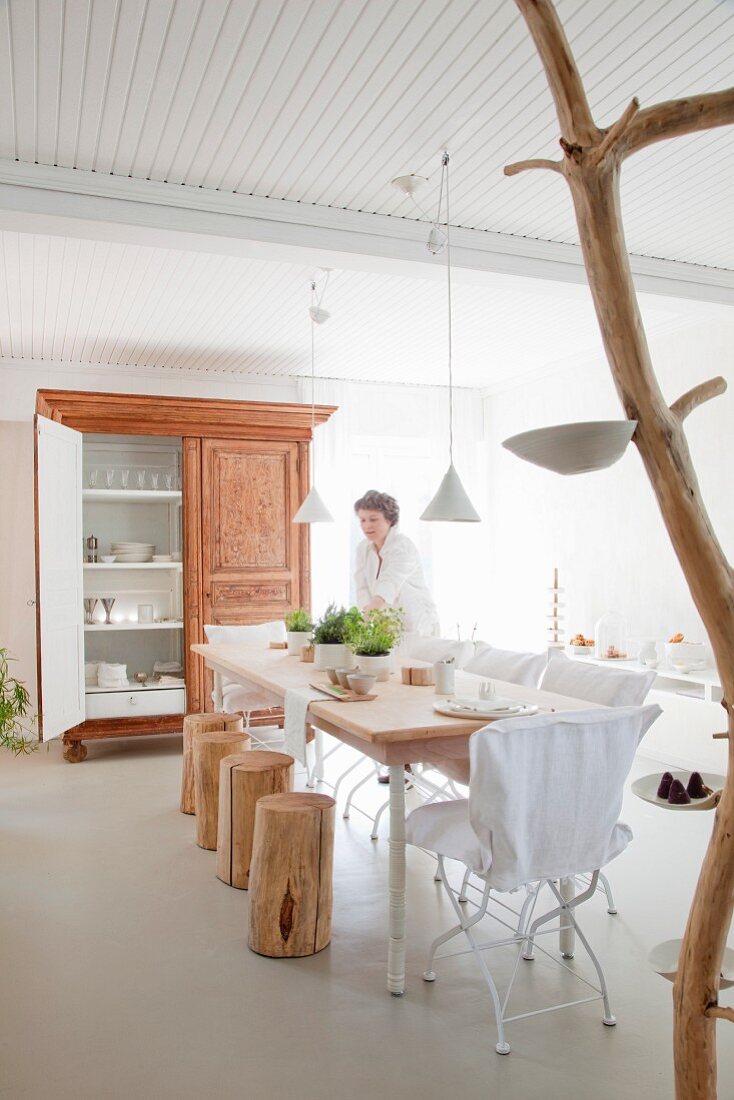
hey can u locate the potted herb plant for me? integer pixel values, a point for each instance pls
(372, 639)
(298, 627)
(330, 635)
(16, 722)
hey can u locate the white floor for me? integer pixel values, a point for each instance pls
(125, 969)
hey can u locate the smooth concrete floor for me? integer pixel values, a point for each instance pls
(125, 971)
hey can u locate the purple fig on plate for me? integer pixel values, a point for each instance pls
(678, 795)
(696, 786)
(664, 788)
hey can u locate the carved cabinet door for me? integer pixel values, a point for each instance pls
(252, 554)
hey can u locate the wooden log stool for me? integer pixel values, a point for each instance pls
(198, 723)
(243, 779)
(290, 875)
(210, 748)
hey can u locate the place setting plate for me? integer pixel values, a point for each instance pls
(464, 706)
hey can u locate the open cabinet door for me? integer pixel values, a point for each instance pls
(60, 577)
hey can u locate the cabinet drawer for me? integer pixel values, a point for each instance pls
(127, 704)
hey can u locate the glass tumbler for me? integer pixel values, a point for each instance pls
(140, 478)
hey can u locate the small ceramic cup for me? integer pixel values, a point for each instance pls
(361, 682)
(341, 675)
(331, 673)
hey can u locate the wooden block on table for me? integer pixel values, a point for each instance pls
(278, 645)
(417, 675)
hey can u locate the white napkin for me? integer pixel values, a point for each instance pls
(297, 701)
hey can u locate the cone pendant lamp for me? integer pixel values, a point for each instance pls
(451, 503)
(313, 509)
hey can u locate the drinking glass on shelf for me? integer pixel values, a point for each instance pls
(140, 478)
(168, 481)
(109, 477)
(93, 478)
(124, 478)
(154, 481)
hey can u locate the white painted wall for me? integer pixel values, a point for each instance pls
(603, 530)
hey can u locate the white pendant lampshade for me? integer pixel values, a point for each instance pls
(451, 502)
(313, 509)
(574, 448)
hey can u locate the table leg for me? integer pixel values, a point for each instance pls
(218, 700)
(396, 947)
(567, 937)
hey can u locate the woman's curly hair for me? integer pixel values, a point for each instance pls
(374, 501)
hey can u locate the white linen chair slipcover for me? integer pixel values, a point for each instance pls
(544, 803)
(507, 664)
(236, 697)
(612, 687)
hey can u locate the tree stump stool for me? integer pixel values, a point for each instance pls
(243, 779)
(210, 748)
(290, 875)
(198, 723)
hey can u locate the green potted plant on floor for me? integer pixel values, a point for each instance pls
(330, 634)
(299, 628)
(372, 639)
(16, 721)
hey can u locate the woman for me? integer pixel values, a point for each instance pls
(388, 567)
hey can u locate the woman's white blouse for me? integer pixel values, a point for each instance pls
(400, 582)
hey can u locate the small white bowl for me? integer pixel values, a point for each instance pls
(361, 682)
(108, 558)
(582, 650)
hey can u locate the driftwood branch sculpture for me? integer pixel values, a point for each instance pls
(591, 166)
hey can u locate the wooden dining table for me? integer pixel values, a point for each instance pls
(400, 726)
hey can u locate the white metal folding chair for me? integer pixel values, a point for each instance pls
(543, 806)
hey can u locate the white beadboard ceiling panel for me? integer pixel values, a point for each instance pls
(97, 302)
(324, 101)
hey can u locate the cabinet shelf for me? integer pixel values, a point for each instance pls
(132, 685)
(133, 496)
(108, 627)
(175, 566)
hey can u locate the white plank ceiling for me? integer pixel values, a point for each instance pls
(86, 302)
(322, 102)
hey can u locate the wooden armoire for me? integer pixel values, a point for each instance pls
(212, 484)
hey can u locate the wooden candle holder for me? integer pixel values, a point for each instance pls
(417, 675)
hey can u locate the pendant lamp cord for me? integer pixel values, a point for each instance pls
(445, 170)
(313, 386)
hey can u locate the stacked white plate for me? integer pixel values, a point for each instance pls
(132, 551)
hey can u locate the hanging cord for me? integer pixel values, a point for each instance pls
(445, 166)
(313, 383)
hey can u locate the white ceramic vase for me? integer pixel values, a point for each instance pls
(296, 640)
(333, 656)
(380, 667)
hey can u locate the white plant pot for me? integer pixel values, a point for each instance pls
(296, 640)
(333, 656)
(381, 667)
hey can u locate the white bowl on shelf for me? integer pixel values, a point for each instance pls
(581, 650)
(686, 656)
(108, 558)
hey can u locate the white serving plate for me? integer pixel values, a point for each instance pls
(646, 787)
(472, 708)
(132, 558)
(664, 960)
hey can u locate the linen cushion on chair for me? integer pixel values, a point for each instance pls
(612, 687)
(507, 664)
(544, 797)
(437, 649)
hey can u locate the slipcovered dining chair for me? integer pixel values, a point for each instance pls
(543, 806)
(514, 666)
(611, 687)
(255, 703)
